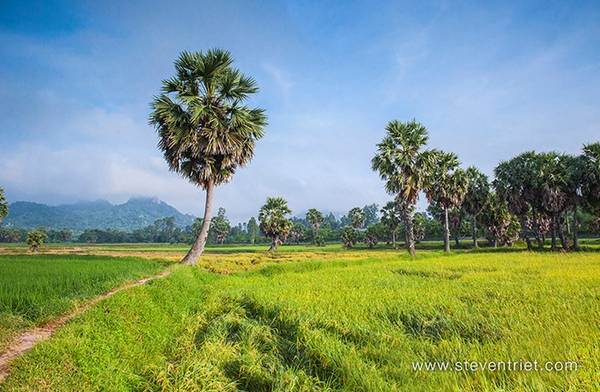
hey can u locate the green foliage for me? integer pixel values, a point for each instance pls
(274, 220)
(349, 236)
(401, 161)
(375, 233)
(591, 177)
(447, 183)
(205, 131)
(36, 238)
(420, 226)
(3, 205)
(297, 233)
(220, 226)
(391, 217)
(405, 167)
(477, 192)
(134, 214)
(371, 214)
(64, 235)
(356, 217)
(252, 229)
(540, 188)
(501, 226)
(456, 219)
(315, 219)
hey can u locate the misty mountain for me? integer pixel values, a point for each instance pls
(134, 214)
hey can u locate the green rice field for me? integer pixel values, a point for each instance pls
(322, 319)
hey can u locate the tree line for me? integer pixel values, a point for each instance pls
(534, 196)
(206, 132)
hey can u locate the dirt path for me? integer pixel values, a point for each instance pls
(26, 340)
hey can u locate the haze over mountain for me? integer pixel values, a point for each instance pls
(134, 214)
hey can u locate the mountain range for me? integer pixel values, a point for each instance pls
(100, 214)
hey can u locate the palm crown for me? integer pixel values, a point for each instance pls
(314, 217)
(205, 130)
(400, 160)
(478, 191)
(447, 183)
(273, 217)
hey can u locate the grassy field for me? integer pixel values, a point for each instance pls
(34, 289)
(328, 319)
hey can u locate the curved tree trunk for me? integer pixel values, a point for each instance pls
(446, 232)
(191, 258)
(474, 227)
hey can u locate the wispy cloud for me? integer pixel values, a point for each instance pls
(488, 81)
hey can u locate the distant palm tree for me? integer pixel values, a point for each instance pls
(478, 193)
(274, 222)
(405, 166)
(447, 185)
(205, 131)
(315, 218)
(391, 218)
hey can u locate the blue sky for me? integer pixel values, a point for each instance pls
(488, 80)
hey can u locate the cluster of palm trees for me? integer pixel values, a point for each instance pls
(531, 196)
(545, 191)
(207, 131)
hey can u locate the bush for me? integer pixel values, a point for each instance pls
(36, 238)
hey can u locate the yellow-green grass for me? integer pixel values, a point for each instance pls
(35, 289)
(353, 322)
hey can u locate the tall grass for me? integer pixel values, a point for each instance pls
(353, 323)
(34, 289)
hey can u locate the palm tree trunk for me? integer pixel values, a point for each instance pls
(525, 232)
(274, 243)
(410, 235)
(446, 232)
(553, 233)
(575, 228)
(474, 227)
(394, 239)
(564, 242)
(191, 258)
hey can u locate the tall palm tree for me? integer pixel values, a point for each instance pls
(274, 221)
(446, 185)
(478, 193)
(205, 130)
(404, 165)
(514, 183)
